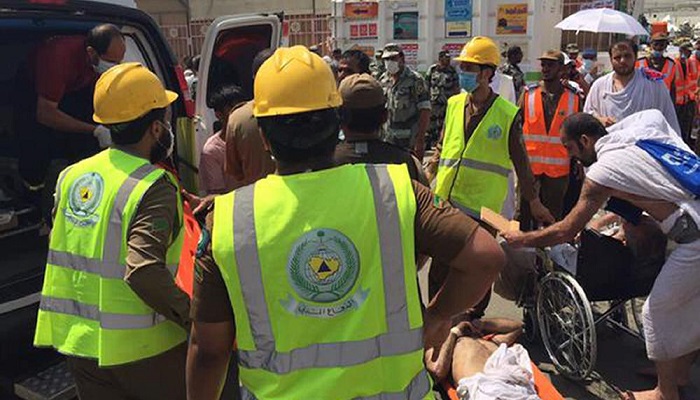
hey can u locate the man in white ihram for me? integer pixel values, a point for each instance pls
(622, 165)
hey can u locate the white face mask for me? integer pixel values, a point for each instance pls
(392, 66)
(102, 66)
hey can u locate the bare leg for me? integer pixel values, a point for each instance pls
(667, 388)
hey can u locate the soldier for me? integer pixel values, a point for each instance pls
(511, 68)
(377, 67)
(408, 102)
(443, 83)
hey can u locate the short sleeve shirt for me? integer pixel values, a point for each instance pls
(60, 65)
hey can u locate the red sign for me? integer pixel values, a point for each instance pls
(363, 31)
(372, 30)
(410, 51)
(361, 10)
(453, 48)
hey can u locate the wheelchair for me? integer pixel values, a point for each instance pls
(609, 286)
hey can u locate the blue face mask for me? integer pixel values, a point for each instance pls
(657, 54)
(467, 81)
(697, 53)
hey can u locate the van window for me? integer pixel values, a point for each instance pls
(232, 61)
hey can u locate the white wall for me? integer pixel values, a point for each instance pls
(210, 9)
(541, 34)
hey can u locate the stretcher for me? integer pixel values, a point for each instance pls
(543, 385)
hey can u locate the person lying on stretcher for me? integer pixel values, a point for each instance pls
(481, 357)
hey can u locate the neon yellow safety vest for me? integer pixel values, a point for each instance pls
(320, 269)
(475, 174)
(87, 309)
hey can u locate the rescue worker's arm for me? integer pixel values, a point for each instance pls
(593, 196)
(422, 99)
(526, 180)
(431, 167)
(207, 359)
(473, 256)
(153, 228)
(213, 328)
(48, 114)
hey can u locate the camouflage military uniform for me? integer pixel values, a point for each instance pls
(377, 69)
(442, 85)
(405, 100)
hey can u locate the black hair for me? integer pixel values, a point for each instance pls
(225, 96)
(131, 132)
(513, 50)
(260, 58)
(195, 63)
(299, 137)
(361, 58)
(337, 52)
(579, 124)
(363, 120)
(101, 36)
(624, 42)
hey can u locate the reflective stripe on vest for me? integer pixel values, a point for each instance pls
(547, 154)
(681, 81)
(109, 267)
(92, 312)
(416, 390)
(481, 166)
(398, 340)
(692, 78)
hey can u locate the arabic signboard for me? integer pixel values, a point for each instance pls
(361, 10)
(363, 31)
(511, 19)
(453, 48)
(458, 10)
(458, 29)
(410, 52)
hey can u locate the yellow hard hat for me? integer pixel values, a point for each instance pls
(127, 92)
(294, 80)
(480, 50)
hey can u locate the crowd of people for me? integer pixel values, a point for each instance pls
(318, 214)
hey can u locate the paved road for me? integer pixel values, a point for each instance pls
(619, 356)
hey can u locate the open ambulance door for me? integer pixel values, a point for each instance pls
(229, 48)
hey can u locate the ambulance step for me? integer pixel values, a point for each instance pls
(54, 383)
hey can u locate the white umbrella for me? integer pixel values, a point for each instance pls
(602, 20)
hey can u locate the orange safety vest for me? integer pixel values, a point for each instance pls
(672, 74)
(692, 77)
(548, 156)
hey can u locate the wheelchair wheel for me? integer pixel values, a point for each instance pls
(530, 333)
(566, 325)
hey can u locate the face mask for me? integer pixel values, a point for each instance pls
(588, 64)
(163, 149)
(657, 54)
(683, 56)
(697, 53)
(467, 81)
(392, 66)
(102, 66)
